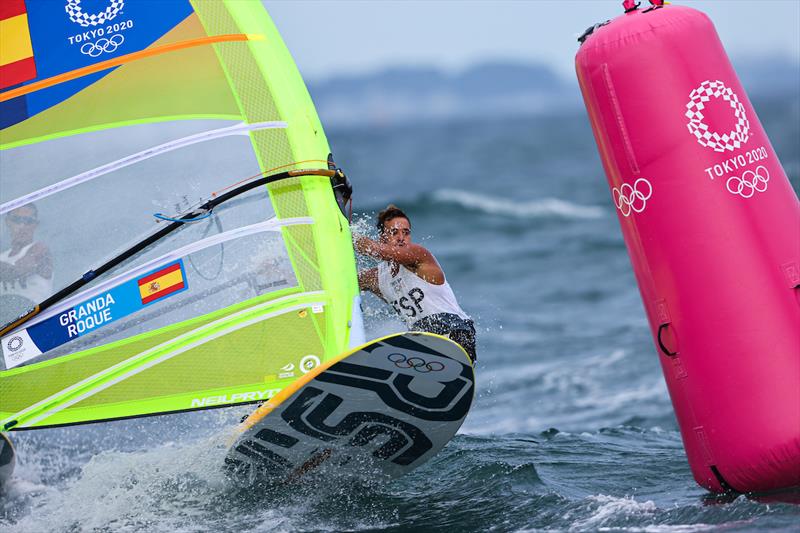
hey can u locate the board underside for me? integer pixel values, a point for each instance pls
(376, 414)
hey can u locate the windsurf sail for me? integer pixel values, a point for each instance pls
(173, 232)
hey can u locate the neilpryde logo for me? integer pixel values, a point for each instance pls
(632, 199)
(712, 139)
(78, 16)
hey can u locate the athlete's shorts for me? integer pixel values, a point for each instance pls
(457, 329)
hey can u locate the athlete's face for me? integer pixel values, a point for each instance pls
(22, 223)
(397, 232)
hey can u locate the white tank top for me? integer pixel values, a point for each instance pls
(414, 298)
(34, 287)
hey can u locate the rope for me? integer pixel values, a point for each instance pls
(162, 216)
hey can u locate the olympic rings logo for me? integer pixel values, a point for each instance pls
(103, 45)
(712, 139)
(750, 182)
(417, 363)
(632, 199)
(78, 16)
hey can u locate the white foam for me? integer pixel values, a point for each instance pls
(609, 509)
(493, 205)
(129, 491)
(663, 528)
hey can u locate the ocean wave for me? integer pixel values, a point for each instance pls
(494, 205)
(582, 385)
(608, 510)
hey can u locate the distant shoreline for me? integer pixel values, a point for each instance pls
(496, 88)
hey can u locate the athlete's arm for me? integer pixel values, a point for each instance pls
(410, 255)
(368, 281)
(37, 260)
(8, 272)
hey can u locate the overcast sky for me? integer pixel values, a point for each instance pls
(330, 37)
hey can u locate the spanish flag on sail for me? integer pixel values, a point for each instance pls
(16, 51)
(161, 283)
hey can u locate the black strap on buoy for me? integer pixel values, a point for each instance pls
(721, 480)
(590, 30)
(661, 345)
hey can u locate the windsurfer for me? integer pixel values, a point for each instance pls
(409, 277)
(26, 268)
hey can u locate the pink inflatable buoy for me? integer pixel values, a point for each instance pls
(712, 227)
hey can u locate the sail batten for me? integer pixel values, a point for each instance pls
(237, 129)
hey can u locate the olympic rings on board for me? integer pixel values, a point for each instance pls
(417, 363)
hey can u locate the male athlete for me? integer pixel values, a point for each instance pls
(26, 268)
(409, 278)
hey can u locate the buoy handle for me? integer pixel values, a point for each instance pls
(661, 345)
(633, 5)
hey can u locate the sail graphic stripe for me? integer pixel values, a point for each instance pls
(167, 356)
(238, 129)
(121, 60)
(9, 422)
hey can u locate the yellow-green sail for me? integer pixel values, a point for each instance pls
(132, 111)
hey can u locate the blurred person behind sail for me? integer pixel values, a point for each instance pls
(26, 268)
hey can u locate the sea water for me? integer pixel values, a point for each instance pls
(571, 428)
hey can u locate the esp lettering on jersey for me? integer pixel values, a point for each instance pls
(408, 305)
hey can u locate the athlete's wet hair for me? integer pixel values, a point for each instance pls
(391, 211)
